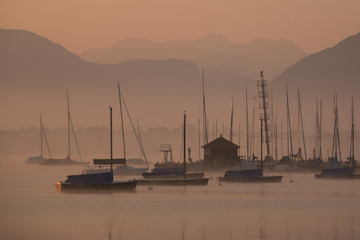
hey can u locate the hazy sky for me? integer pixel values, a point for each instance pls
(83, 24)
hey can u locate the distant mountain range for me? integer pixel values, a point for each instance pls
(34, 73)
(214, 52)
(332, 70)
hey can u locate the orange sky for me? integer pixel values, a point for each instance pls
(83, 24)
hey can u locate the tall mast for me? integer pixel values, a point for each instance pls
(261, 143)
(184, 144)
(206, 139)
(289, 122)
(302, 123)
(352, 143)
(252, 139)
(320, 124)
(111, 141)
(239, 139)
(281, 139)
(199, 137)
(231, 119)
(247, 125)
(317, 126)
(334, 145)
(272, 124)
(68, 110)
(337, 129)
(276, 136)
(216, 128)
(122, 123)
(41, 139)
(263, 94)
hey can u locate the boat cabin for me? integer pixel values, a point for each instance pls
(220, 154)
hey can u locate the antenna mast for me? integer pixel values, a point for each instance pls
(264, 104)
(206, 139)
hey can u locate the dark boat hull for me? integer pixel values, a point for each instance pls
(114, 186)
(175, 182)
(338, 176)
(261, 179)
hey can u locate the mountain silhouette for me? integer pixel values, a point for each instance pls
(332, 70)
(213, 51)
(35, 72)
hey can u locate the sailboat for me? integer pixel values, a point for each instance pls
(40, 159)
(121, 167)
(250, 175)
(334, 169)
(180, 179)
(67, 160)
(97, 181)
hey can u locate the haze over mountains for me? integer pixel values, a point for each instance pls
(215, 52)
(332, 70)
(35, 72)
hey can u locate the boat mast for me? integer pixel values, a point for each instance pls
(302, 123)
(216, 128)
(206, 139)
(231, 119)
(252, 141)
(43, 132)
(281, 138)
(289, 122)
(247, 125)
(199, 143)
(317, 147)
(276, 136)
(239, 139)
(111, 141)
(68, 110)
(352, 143)
(261, 143)
(263, 94)
(122, 123)
(337, 129)
(184, 144)
(320, 124)
(272, 133)
(41, 139)
(334, 145)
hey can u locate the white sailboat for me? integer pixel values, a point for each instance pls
(120, 168)
(40, 159)
(67, 160)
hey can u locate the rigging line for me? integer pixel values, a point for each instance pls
(337, 129)
(141, 144)
(289, 121)
(47, 143)
(302, 124)
(76, 141)
(122, 122)
(136, 135)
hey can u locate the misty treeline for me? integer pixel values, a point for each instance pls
(94, 142)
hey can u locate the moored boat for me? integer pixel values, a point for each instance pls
(96, 181)
(174, 176)
(335, 170)
(248, 176)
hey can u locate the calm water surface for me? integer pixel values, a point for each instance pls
(30, 208)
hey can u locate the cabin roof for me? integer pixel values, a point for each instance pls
(220, 143)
